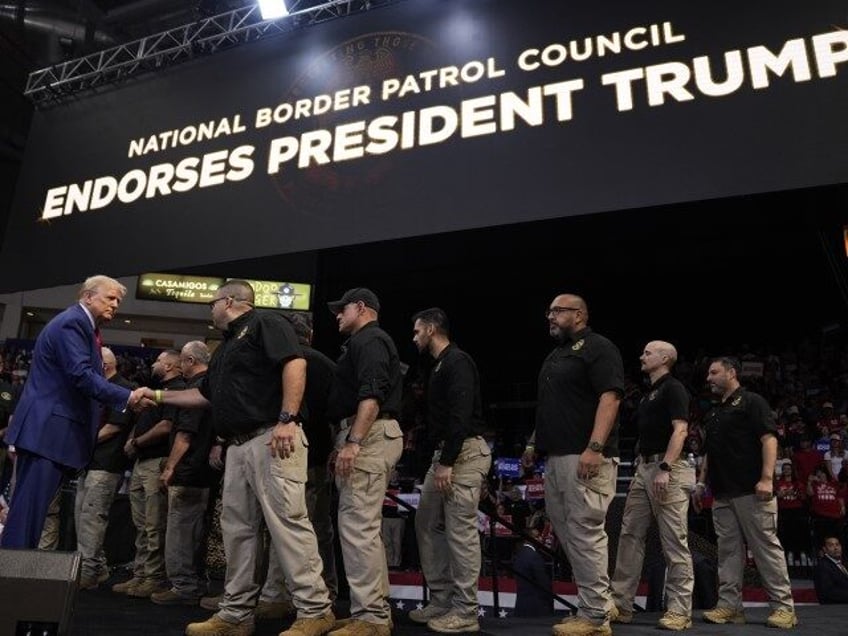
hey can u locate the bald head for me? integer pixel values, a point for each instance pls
(194, 358)
(573, 300)
(110, 362)
(658, 358)
(665, 349)
(567, 314)
(107, 355)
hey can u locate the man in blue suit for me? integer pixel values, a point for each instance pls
(54, 426)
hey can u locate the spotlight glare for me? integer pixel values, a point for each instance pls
(272, 9)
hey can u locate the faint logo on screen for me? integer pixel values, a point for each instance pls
(368, 60)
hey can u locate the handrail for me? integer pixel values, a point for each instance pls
(493, 519)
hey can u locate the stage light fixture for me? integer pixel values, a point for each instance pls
(273, 9)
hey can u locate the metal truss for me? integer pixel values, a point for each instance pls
(56, 84)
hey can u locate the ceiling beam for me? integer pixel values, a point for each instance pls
(55, 84)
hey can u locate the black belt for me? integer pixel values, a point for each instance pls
(656, 457)
(241, 438)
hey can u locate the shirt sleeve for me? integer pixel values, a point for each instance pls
(761, 415)
(678, 401)
(277, 338)
(372, 362)
(606, 368)
(460, 408)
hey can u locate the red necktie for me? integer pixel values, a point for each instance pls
(98, 338)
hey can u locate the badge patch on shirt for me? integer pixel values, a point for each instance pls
(653, 395)
(242, 333)
(736, 401)
(577, 346)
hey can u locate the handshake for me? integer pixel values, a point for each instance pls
(142, 398)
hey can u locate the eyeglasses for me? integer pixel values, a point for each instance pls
(558, 310)
(212, 302)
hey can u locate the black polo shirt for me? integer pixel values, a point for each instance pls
(454, 406)
(110, 455)
(666, 400)
(150, 417)
(734, 450)
(368, 368)
(244, 381)
(317, 426)
(572, 379)
(193, 469)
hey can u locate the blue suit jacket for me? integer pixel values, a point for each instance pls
(58, 413)
(529, 599)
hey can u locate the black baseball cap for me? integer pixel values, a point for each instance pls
(355, 295)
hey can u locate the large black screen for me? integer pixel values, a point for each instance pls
(430, 116)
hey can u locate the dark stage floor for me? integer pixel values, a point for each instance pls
(102, 613)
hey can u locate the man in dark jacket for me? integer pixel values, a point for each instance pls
(830, 576)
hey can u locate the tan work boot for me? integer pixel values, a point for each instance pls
(581, 626)
(219, 627)
(94, 582)
(723, 615)
(172, 597)
(454, 623)
(274, 609)
(782, 619)
(341, 622)
(674, 622)
(427, 613)
(124, 588)
(356, 627)
(315, 626)
(619, 615)
(147, 588)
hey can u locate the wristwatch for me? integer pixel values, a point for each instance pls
(353, 439)
(665, 466)
(285, 417)
(596, 447)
